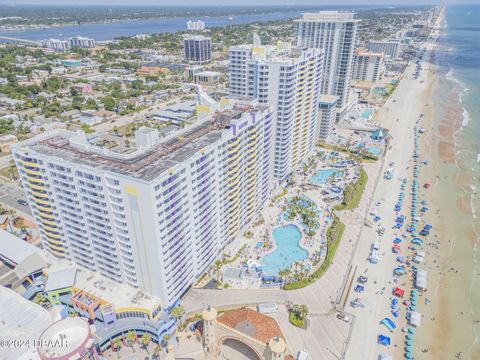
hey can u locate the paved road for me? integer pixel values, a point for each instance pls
(10, 194)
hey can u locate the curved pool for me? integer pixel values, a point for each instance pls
(287, 252)
(322, 176)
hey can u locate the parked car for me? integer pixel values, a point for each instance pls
(22, 202)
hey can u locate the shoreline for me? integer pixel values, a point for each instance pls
(454, 285)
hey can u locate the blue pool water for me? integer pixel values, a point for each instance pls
(374, 150)
(287, 252)
(366, 113)
(322, 176)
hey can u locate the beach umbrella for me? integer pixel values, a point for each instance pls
(409, 342)
(408, 356)
(409, 336)
(409, 348)
(411, 330)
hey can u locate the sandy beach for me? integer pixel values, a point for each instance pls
(400, 114)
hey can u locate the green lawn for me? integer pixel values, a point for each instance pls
(296, 321)
(334, 235)
(353, 193)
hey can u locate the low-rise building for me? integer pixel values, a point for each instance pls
(242, 278)
(84, 88)
(207, 77)
(6, 141)
(152, 71)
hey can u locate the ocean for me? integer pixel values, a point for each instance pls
(451, 326)
(109, 31)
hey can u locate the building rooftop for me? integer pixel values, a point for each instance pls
(13, 249)
(71, 332)
(328, 99)
(123, 296)
(328, 16)
(144, 164)
(60, 279)
(24, 320)
(252, 323)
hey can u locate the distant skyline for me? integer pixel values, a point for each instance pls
(234, 2)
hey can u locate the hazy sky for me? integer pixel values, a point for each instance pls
(236, 2)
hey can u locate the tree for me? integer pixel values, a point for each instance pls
(178, 312)
(109, 103)
(302, 311)
(132, 338)
(157, 350)
(146, 338)
(117, 343)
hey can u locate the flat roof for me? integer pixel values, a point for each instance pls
(13, 249)
(148, 164)
(24, 320)
(60, 279)
(121, 295)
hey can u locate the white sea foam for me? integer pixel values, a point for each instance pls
(466, 118)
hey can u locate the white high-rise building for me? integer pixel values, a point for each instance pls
(326, 116)
(155, 216)
(288, 78)
(195, 25)
(56, 44)
(334, 32)
(82, 42)
(368, 66)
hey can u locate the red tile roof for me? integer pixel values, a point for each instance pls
(252, 323)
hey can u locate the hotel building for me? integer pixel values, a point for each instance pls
(391, 48)
(288, 78)
(155, 216)
(334, 32)
(368, 66)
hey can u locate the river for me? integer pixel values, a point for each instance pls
(109, 31)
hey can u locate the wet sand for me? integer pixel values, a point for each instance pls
(449, 322)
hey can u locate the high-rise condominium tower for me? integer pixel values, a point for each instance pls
(288, 78)
(334, 32)
(154, 216)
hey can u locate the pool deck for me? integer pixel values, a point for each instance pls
(327, 337)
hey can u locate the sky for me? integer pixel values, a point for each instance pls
(237, 2)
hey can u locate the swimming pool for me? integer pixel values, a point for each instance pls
(287, 252)
(322, 176)
(366, 114)
(374, 150)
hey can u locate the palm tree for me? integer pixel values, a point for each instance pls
(146, 338)
(288, 274)
(117, 342)
(302, 311)
(178, 312)
(156, 351)
(12, 213)
(132, 338)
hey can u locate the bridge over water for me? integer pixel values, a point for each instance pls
(12, 40)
